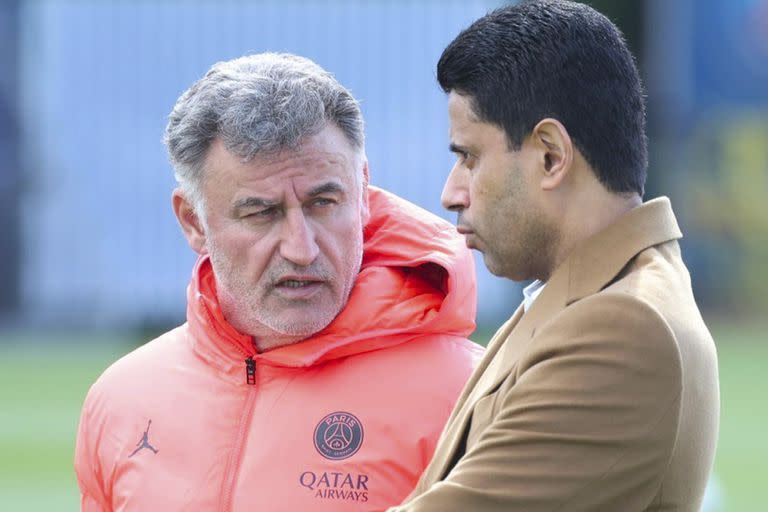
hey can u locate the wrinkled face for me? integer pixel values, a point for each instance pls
(285, 233)
(493, 190)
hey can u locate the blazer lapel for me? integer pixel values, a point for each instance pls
(452, 433)
(497, 364)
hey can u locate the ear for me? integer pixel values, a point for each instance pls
(189, 221)
(366, 210)
(556, 149)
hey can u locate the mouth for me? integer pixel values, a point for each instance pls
(469, 235)
(298, 287)
(296, 283)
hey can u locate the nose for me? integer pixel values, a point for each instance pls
(455, 196)
(298, 242)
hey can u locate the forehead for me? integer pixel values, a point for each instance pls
(460, 109)
(326, 155)
(466, 128)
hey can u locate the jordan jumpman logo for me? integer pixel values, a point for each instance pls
(144, 442)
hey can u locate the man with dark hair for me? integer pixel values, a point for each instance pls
(601, 392)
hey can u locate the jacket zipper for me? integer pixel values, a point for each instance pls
(250, 371)
(233, 467)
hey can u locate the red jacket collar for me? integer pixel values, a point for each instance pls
(417, 277)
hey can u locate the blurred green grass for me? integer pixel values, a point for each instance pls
(741, 464)
(42, 385)
(43, 380)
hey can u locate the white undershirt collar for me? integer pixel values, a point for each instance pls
(530, 293)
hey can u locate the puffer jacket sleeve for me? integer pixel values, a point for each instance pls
(89, 478)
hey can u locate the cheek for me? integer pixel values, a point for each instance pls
(481, 192)
(245, 253)
(232, 243)
(492, 205)
(343, 241)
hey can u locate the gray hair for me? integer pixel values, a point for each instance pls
(260, 103)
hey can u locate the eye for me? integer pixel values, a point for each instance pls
(262, 214)
(466, 159)
(323, 201)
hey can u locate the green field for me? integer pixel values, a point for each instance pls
(42, 386)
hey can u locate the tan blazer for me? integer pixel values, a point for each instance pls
(602, 397)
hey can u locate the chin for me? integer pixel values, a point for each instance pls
(501, 270)
(308, 327)
(492, 267)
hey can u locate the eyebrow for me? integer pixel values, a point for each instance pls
(455, 148)
(260, 202)
(326, 188)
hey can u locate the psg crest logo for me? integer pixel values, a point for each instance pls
(338, 436)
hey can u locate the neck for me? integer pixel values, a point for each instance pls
(265, 342)
(590, 213)
(264, 337)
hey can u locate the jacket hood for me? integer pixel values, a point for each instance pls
(417, 277)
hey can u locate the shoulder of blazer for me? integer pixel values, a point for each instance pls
(613, 327)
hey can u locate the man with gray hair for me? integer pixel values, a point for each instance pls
(327, 320)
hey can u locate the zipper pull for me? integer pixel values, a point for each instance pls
(250, 371)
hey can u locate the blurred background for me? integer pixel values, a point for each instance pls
(92, 263)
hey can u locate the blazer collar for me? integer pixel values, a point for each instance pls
(597, 260)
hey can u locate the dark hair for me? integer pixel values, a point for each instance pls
(523, 63)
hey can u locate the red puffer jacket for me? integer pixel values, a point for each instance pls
(346, 420)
